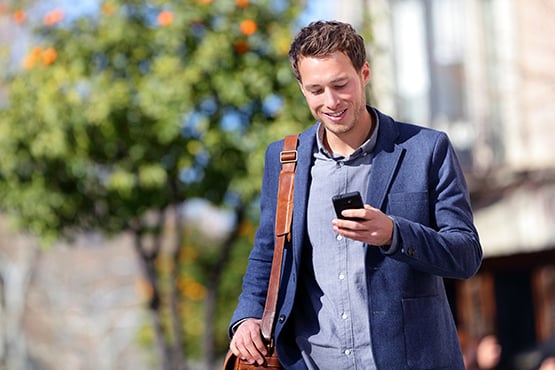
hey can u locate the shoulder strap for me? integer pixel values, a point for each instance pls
(284, 212)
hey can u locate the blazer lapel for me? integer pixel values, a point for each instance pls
(305, 150)
(386, 158)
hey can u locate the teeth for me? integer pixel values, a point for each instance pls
(336, 114)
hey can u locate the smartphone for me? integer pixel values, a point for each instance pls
(346, 201)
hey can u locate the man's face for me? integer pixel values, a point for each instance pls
(334, 92)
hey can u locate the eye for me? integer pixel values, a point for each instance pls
(339, 87)
(316, 91)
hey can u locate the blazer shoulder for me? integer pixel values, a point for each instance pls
(406, 130)
(412, 133)
(306, 140)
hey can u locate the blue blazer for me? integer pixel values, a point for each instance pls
(417, 180)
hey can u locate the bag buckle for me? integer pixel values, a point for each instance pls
(288, 156)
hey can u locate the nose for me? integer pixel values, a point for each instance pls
(331, 99)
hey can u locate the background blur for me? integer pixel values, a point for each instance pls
(132, 136)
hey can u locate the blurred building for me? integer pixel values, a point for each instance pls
(482, 70)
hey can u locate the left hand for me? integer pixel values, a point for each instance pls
(371, 226)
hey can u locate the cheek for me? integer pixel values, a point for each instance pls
(313, 108)
(313, 102)
(355, 92)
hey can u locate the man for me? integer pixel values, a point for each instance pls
(365, 293)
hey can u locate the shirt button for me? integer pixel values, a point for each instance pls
(339, 237)
(344, 316)
(341, 276)
(347, 352)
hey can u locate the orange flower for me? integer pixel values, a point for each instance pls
(242, 3)
(28, 62)
(32, 58)
(248, 27)
(108, 9)
(53, 17)
(207, 2)
(165, 18)
(36, 52)
(19, 16)
(39, 55)
(49, 56)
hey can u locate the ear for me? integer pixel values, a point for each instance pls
(365, 72)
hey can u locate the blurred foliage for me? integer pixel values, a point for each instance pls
(113, 108)
(140, 105)
(195, 262)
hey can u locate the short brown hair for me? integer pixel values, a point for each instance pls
(322, 38)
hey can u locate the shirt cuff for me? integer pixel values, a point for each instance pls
(236, 325)
(394, 246)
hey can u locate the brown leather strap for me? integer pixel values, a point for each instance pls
(284, 212)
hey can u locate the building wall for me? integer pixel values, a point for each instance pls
(531, 143)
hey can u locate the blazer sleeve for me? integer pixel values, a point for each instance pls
(436, 233)
(255, 281)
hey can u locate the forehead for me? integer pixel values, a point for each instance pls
(316, 70)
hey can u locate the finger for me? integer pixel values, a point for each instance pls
(254, 336)
(237, 347)
(342, 226)
(259, 344)
(245, 351)
(247, 343)
(257, 349)
(360, 214)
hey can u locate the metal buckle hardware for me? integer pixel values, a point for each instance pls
(288, 156)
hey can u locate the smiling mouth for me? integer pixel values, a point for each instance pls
(336, 115)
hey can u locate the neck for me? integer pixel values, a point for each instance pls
(346, 143)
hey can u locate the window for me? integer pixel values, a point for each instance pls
(429, 40)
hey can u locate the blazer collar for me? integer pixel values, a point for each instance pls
(386, 158)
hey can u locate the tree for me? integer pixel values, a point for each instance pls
(17, 265)
(119, 116)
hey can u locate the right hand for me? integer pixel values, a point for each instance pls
(247, 343)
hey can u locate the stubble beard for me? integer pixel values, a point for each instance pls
(342, 128)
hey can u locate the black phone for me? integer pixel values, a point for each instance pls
(346, 201)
